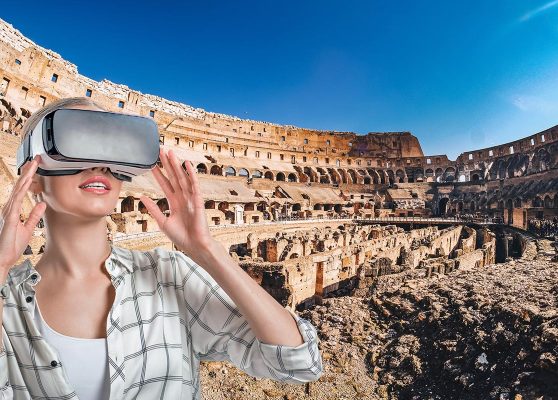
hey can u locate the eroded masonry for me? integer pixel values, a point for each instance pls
(305, 212)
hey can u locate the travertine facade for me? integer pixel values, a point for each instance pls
(255, 174)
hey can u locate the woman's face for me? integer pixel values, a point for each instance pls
(63, 193)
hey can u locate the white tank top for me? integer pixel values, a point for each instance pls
(84, 360)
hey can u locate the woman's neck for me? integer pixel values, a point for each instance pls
(75, 249)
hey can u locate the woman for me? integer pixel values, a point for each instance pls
(96, 321)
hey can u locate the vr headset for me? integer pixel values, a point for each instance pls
(71, 140)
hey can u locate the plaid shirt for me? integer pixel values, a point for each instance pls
(168, 315)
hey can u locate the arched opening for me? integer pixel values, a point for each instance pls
(268, 175)
(142, 208)
(201, 168)
(400, 176)
(163, 205)
(230, 171)
(243, 172)
(216, 170)
(280, 177)
(442, 206)
(475, 178)
(291, 177)
(209, 205)
(257, 174)
(127, 204)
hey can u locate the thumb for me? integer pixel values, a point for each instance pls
(154, 211)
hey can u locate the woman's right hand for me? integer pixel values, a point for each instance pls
(14, 234)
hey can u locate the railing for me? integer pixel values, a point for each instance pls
(128, 236)
(431, 220)
(280, 222)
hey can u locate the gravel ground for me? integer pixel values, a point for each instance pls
(490, 333)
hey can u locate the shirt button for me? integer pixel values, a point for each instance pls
(54, 363)
(29, 299)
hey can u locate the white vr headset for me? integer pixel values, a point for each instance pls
(71, 140)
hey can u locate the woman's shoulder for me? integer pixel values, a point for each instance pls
(159, 256)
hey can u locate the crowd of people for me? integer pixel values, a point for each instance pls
(543, 227)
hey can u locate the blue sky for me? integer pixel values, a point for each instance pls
(459, 75)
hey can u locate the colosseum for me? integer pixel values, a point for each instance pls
(311, 215)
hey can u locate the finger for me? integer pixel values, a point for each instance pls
(190, 173)
(194, 183)
(183, 180)
(169, 171)
(22, 180)
(167, 189)
(163, 181)
(20, 191)
(7, 205)
(12, 217)
(154, 211)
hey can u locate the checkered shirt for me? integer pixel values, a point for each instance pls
(168, 315)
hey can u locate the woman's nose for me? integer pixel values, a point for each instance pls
(100, 169)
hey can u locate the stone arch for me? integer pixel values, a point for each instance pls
(163, 205)
(243, 172)
(389, 177)
(400, 176)
(442, 206)
(127, 204)
(201, 168)
(439, 174)
(280, 177)
(449, 174)
(429, 174)
(541, 160)
(230, 171)
(269, 175)
(374, 175)
(311, 174)
(342, 174)
(353, 176)
(291, 177)
(142, 208)
(257, 174)
(216, 170)
(334, 175)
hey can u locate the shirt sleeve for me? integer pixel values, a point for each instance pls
(219, 332)
(6, 392)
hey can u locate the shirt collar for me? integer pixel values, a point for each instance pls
(117, 263)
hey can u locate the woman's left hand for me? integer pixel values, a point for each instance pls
(186, 226)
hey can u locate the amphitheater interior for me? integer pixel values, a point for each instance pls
(307, 213)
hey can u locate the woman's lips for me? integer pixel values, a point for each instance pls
(96, 190)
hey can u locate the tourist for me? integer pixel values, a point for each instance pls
(93, 320)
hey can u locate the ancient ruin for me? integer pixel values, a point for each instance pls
(312, 215)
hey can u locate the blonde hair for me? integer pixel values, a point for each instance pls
(69, 102)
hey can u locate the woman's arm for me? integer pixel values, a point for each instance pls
(187, 228)
(230, 315)
(271, 322)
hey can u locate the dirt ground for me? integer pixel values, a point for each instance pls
(490, 333)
